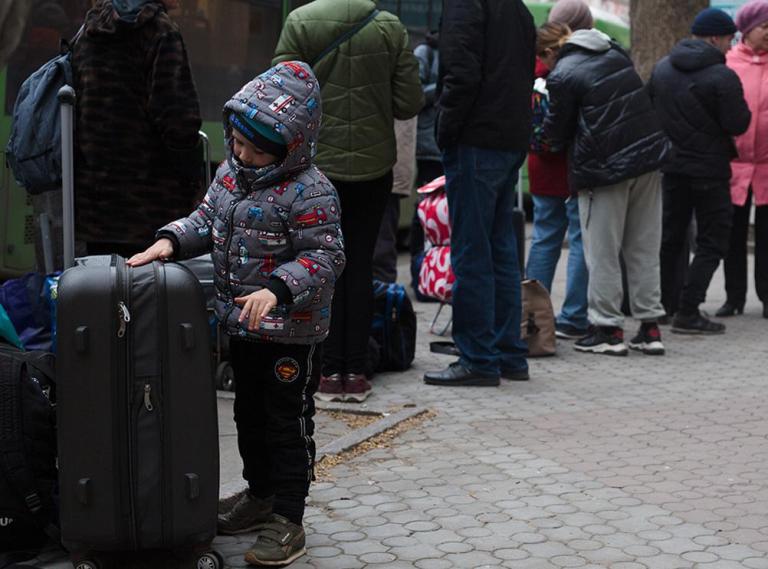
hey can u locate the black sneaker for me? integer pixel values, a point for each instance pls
(608, 340)
(696, 324)
(568, 332)
(246, 515)
(648, 340)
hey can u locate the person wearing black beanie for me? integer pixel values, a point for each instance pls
(713, 22)
(701, 106)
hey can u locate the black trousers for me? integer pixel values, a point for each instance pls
(672, 284)
(736, 261)
(362, 208)
(385, 252)
(274, 410)
(710, 201)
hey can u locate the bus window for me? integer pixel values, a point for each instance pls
(229, 43)
(47, 23)
(419, 16)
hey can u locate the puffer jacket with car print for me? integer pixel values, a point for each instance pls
(279, 221)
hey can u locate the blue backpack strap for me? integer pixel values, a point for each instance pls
(400, 298)
(388, 312)
(379, 288)
(344, 37)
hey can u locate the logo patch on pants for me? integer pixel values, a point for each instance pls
(287, 369)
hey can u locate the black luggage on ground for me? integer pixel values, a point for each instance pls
(393, 328)
(137, 425)
(27, 452)
(136, 416)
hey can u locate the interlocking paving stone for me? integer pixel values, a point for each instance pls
(433, 564)
(598, 463)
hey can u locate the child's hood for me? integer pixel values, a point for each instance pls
(286, 98)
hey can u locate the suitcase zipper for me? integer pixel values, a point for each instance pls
(123, 317)
(124, 277)
(166, 494)
(148, 398)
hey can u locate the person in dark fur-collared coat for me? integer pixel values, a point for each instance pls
(136, 130)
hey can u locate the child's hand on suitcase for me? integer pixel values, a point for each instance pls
(256, 306)
(162, 249)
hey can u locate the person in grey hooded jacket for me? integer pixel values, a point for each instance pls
(272, 219)
(600, 110)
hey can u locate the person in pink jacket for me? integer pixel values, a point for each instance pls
(749, 59)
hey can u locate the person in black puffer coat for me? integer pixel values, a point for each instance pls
(701, 105)
(601, 111)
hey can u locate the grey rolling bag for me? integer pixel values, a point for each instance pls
(137, 422)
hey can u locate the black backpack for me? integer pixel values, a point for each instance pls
(394, 326)
(28, 477)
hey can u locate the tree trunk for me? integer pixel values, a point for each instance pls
(657, 25)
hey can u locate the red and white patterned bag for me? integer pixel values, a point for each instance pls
(436, 276)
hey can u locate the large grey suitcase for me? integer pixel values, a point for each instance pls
(137, 423)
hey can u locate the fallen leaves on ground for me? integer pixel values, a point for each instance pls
(382, 440)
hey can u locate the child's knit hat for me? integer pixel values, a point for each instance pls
(259, 134)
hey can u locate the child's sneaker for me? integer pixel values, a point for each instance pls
(648, 340)
(246, 515)
(331, 388)
(278, 542)
(226, 504)
(608, 340)
(356, 387)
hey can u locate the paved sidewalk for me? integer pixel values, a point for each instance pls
(620, 463)
(597, 462)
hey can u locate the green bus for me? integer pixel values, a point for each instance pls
(229, 42)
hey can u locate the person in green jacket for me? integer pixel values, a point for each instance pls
(368, 77)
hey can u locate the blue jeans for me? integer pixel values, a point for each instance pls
(552, 216)
(480, 185)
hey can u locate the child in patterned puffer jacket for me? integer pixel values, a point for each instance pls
(272, 220)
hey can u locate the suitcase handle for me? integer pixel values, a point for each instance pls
(193, 486)
(67, 99)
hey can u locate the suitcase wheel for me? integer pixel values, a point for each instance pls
(225, 377)
(210, 560)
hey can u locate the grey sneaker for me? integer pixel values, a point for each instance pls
(278, 542)
(245, 515)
